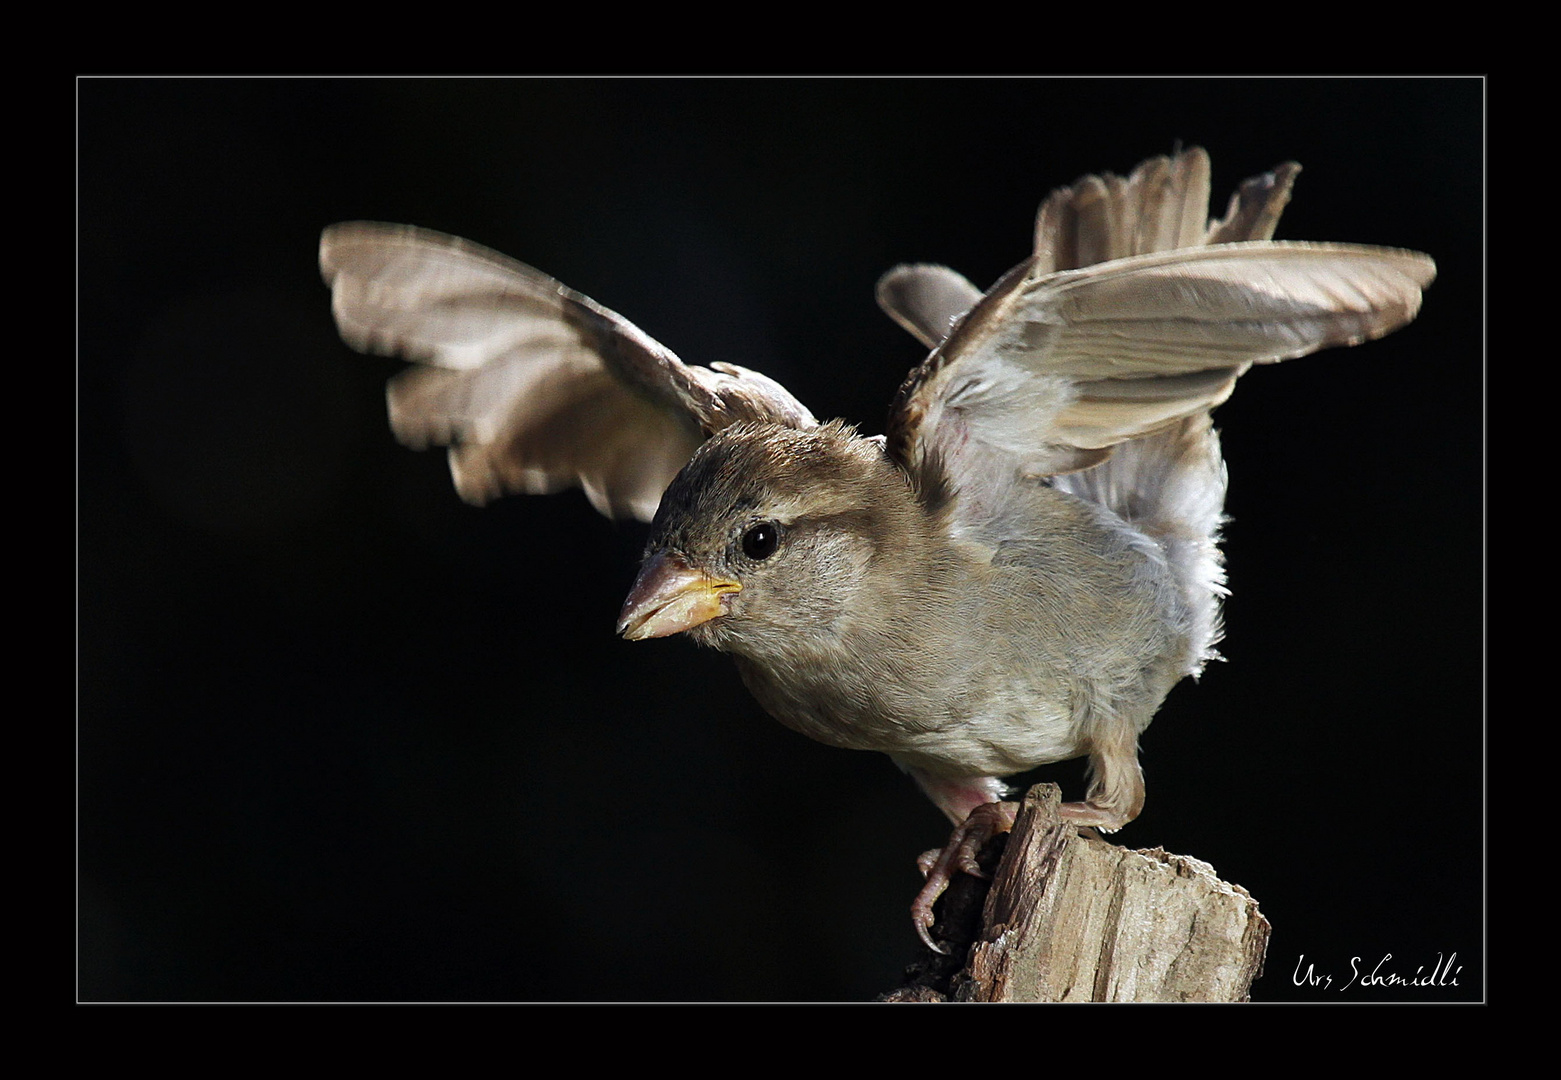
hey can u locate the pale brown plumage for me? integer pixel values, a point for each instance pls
(1016, 574)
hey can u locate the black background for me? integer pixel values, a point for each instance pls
(343, 737)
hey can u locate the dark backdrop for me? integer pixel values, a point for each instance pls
(343, 737)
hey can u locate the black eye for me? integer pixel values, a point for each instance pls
(761, 540)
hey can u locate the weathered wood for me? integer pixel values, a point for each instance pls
(1070, 917)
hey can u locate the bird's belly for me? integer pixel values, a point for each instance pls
(946, 725)
(1018, 730)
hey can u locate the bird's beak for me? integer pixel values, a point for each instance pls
(669, 597)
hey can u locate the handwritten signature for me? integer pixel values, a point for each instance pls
(1444, 972)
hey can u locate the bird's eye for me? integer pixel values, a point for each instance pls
(761, 540)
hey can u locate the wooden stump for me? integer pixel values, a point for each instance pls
(1070, 917)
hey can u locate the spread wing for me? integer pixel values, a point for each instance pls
(1132, 313)
(534, 387)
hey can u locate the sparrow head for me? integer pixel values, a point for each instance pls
(767, 533)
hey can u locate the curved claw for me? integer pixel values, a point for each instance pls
(938, 873)
(965, 843)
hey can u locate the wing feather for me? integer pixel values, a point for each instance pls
(926, 300)
(1133, 313)
(534, 387)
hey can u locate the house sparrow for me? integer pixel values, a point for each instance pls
(1016, 573)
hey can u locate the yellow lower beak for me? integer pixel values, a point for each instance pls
(669, 597)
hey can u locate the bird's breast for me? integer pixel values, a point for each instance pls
(1009, 662)
(939, 684)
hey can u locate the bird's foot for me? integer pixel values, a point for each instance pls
(983, 823)
(1087, 813)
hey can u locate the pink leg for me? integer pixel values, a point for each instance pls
(972, 804)
(984, 822)
(1115, 797)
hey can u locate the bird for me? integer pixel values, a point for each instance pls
(1016, 572)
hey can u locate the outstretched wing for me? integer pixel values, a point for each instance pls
(534, 387)
(1133, 313)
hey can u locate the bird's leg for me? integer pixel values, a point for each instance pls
(1116, 789)
(984, 822)
(973, 804)
(1115, 797)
